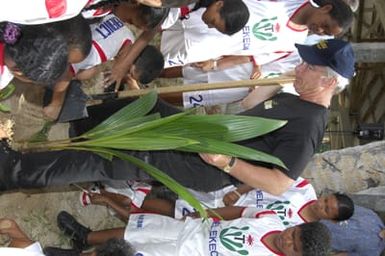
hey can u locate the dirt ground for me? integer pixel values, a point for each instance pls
(36, 210)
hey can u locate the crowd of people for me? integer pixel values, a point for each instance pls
(253, 208)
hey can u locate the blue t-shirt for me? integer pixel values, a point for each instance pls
(359, 235)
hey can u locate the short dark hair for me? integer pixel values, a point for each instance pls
(149, 64)
(115, 247)
(40, 53)
(345, 207)
(235, 14)
(77, 32)
(152, 16)
(341, 12)
(315, 238)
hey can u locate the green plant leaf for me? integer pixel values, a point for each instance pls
(160, 176)
(7, 91)
(231, 149)
(139, 142)
(221, 127)
(42, 135)
(137, 108)
(4, 108)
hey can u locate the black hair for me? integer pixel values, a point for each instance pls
(153, 16)
(341, 12)
(77, 32)
(345, 207)
(115, 247)
(40, 53)
(315, 238)
(149, 64)
(235, 14)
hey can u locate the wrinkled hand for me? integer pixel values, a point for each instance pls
(256, 72)
(217, 160)
(204, 65)
(230, 198)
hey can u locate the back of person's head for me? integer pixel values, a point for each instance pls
(341, 12)
(115, 247)
(345, 206)
(38, 51)
(315, 238)
(149, 64)
(152, 16)
(78, 34)
(235, 14)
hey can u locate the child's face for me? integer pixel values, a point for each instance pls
(212, 17)
(322, 23)
(327, 207)
(289, 242)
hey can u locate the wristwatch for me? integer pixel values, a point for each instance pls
(230, 165)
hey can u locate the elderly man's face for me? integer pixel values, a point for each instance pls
(309, 78)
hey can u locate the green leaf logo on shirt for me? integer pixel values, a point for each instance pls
(234, 239)
(265, 29)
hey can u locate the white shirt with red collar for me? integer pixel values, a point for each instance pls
(287, 206)
(268, 35)
(154, 235)
(108, 37)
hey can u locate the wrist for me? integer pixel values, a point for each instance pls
(229, 166)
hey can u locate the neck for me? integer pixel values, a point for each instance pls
(323, 100)
(302, 15)
(271, 241)
(309, 214)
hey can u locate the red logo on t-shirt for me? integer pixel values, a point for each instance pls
(56, 8)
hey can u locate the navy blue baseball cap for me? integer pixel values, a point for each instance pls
(334, 53)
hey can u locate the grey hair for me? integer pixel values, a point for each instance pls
(342, 82)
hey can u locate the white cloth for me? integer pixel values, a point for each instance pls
(108, 37)
(39, 11)
(31, 250)
(288, 206)
(160, 235)
(136, 191)
(5, 78)
(267, 36)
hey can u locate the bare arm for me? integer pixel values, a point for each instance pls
(272, 181)
(222, 63)
(233, 196)
(258, 95)
(18, 238)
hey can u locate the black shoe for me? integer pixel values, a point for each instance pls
(54, 251)
(68, 224)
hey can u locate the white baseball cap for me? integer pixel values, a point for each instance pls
(39, 11)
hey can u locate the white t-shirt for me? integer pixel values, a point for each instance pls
(288, 206)
(5, 77)
(160, 235)
(108, 37)
(266, 36)
(31, 250)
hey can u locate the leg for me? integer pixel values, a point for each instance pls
(102, 236)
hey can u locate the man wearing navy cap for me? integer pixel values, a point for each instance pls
(325, 71)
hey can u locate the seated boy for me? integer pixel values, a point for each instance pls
(246, 234)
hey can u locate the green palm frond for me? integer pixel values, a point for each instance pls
(133, 128)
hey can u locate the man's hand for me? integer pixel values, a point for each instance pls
(217, 160)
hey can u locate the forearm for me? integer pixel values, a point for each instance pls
(227, 213)
(231, 60)
(243, 189)
(123, 212)
(272, 181)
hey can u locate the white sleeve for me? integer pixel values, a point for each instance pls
(35, 247)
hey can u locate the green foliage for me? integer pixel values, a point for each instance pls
(4, 94)
(132, 129)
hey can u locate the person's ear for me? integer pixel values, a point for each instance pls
(219, 4)
(329, 82)
(326, 8)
